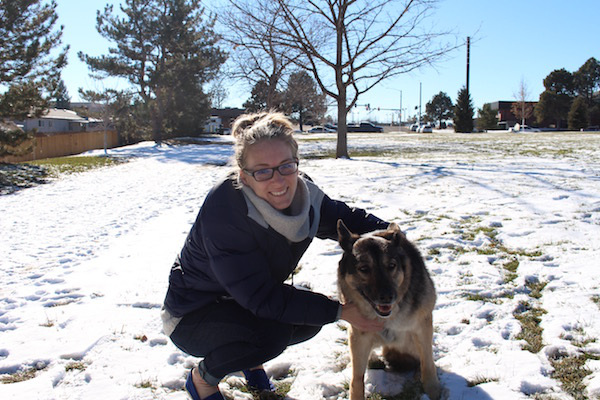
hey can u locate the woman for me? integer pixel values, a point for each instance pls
(227, 301)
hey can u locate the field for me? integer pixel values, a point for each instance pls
(508, 225)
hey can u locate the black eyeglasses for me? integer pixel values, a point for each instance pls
(264, 174)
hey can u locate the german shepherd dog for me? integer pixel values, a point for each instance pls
(385, 276)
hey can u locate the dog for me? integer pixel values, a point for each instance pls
(384, 275)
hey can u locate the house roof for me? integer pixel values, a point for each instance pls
(57, 113)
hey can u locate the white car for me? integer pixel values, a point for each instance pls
(523, 129)
(320, 129)
(426, 129)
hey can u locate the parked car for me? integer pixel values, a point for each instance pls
(331, 126)
(593, 128)
(320, 129)
(523, 129)
(414, 127)
(426, 129)
(365, 127)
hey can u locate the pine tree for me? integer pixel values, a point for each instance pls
(30, 65)
(488, 118)
(61, 95)
(578, 115)
(167, 49)
(463, 112)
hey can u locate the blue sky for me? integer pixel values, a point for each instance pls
(512, 41)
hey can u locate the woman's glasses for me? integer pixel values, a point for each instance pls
(264, 174)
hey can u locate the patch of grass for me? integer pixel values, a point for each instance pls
(479, 297)
(14, 177)
(478, 380)
(571, 372)
(510, 269)
(20, 376)
(68, 165)
(596, 300)
(536, 289)
(145, 384)
(530, 318)
(75, 366)
(410, 390)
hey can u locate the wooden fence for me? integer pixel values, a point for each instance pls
(65, 144)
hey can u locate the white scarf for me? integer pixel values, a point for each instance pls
(295, 227)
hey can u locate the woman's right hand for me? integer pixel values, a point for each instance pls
(351, 314)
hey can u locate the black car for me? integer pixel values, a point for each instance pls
(365, 127)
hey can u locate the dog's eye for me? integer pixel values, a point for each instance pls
(363, 269)
(393, 265)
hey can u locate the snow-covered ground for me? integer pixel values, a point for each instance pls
(85, 260)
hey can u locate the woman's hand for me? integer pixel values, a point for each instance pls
(351, 314)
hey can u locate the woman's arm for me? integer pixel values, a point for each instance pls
(356, 219)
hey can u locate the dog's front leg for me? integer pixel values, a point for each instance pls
(361, 344)
(424, 342)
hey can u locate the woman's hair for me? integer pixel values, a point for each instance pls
(249, 129)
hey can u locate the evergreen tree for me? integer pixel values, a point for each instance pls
(555, 101)
(63, 101)
(463, 112)
(578, 115)
(488, 118)
(439, 108)
(587, 80)
(258, 98)
(30, 65)
(303, 100)
(167, 50)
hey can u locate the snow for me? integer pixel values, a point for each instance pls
(85, 261)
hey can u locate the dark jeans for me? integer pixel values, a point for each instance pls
(231, 339)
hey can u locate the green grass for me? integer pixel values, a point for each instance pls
(14, 177)
(69, 165)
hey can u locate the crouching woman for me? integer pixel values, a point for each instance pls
(227, 302)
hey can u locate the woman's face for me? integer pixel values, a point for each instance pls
(278, 191)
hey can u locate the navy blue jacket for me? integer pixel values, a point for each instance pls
(228, 254)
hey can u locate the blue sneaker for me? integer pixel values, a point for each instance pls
(191, 389)
(258, 380)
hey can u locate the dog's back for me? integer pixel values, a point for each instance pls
(385, 276)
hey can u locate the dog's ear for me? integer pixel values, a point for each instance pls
(345, 237)
(397, 235)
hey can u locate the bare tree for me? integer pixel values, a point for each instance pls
(352, 45)
(520, 108)
(218, 92)
(252, 30)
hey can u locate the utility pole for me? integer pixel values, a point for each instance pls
(468, 61)
(400, 113)
(420, 90)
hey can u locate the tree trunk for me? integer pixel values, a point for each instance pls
(342, 136)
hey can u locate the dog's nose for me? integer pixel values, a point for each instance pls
(387, 298)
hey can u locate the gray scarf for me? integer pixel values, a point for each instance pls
(294, 227)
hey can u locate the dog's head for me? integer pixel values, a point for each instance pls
(374, 265)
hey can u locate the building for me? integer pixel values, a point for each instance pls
(56, 120)
(221, 120)
(506, 119)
